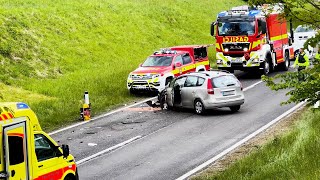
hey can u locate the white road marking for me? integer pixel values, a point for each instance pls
(101, 116)
(82, 161)
(251, 86)
(226, 151)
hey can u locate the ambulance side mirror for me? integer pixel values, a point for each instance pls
(65, 150)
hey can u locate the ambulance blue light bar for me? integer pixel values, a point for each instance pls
(21, 105)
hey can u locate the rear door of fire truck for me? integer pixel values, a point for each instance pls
(15, 150)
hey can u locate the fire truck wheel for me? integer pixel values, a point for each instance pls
(266, 68)
(285, 65)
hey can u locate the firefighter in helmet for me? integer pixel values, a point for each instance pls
(302, 60)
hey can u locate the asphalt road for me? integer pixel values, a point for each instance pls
(173, 142)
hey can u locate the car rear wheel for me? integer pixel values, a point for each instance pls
(235, 108)
(198, 107)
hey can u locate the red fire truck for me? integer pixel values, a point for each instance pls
(162, 66)
(252, 39)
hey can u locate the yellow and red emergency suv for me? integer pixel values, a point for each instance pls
(27, 152)
(162, 66)
(252, 39)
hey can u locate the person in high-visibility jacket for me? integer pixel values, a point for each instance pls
(302, 60)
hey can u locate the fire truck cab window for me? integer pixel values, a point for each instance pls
(153, 61)
(200, 53)
(236, 28)
(178, 59)
(261, 26)
(186, 59)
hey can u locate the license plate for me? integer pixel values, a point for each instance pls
(236, 60)
(228, 93)
(141, 87)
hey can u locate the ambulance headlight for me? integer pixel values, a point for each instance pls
(256, 60)
(226, 50)
(155, 76)
(245, 49)
(219, 61)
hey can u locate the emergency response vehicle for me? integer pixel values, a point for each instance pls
(28, 153)
(162, 66)
(252, 38)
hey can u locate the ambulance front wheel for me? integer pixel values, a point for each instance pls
(71, 177)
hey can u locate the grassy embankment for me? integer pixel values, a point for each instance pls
(52, 51)
(294, 155)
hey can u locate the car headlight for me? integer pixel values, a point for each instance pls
(130, 76)
(155, 76)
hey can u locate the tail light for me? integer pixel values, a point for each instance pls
(210, 87)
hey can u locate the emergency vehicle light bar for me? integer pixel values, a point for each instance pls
(21, 105)
(165, 51)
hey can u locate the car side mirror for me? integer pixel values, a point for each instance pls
(177, 64)
(65, 150)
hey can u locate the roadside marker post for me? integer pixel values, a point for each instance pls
(85, 111)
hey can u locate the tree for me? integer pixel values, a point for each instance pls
(300, 12)
(304, 84)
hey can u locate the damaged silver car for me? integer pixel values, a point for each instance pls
(202, 91)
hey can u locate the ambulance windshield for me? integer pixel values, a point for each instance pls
(229, 28)
(158, 61)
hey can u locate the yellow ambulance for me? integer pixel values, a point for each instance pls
(28, 153)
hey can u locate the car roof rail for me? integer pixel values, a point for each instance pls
(203, 72)
(221, 70)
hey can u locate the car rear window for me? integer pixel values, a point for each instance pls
(225, 81)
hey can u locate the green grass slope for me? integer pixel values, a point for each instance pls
(57, 49)
(294, 155)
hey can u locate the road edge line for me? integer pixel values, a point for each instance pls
(101, 116)
(84, 160)
(239, 143)
(252, 86)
